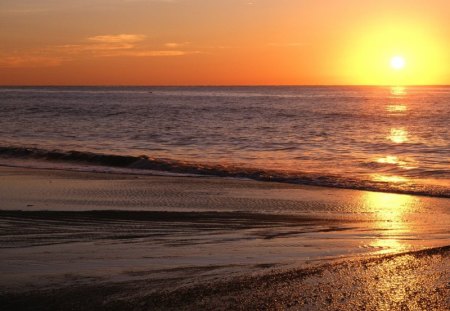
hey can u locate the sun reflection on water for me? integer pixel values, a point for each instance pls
(391, 160)
(398, 162)
(388, 206)
(396, 108)
(398, 135)
(389, 211)
(398, 90)
(389, 178)
(387, 245)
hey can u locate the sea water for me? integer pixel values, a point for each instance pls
(377, 138)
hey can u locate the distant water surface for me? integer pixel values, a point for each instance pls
(379, 138)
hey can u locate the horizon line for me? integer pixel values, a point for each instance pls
(223, 85)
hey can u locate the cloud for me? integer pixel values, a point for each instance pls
(29, 61)
(150, 53)
(119, 45)
(288, 44)
(128, 45)
(121, 38)
(105, 45)
(169, 1)
(93, 48)
(172, 45)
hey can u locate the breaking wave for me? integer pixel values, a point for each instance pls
(145, 163)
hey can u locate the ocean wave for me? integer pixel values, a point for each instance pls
(144, 162)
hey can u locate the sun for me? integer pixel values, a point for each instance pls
(398, 62)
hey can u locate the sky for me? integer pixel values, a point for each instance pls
(224, 42)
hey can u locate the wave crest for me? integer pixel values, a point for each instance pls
(144, 162)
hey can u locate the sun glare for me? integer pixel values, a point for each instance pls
(389, 51)
(397, 62)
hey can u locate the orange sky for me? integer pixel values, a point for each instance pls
(223, 42)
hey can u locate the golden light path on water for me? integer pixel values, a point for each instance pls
(396, 108)
(390, 211)
(389, 178)
(397, 135)
(398, 283)
(398, 90)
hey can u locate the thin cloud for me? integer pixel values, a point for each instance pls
(174, 45)
(149, 53)
(92, 48)
(120, 38)
(29, 61)
(120, 45)
(104, 43)
(288, 44)
(168, 1)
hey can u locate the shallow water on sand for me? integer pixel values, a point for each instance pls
(108, 225)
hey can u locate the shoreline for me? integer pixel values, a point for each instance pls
(56, 159)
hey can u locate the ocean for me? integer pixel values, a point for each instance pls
(393, 139)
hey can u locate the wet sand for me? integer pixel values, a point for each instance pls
(91, 241)
(411, 281)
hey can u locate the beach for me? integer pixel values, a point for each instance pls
(224, 155)
(109, 241)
